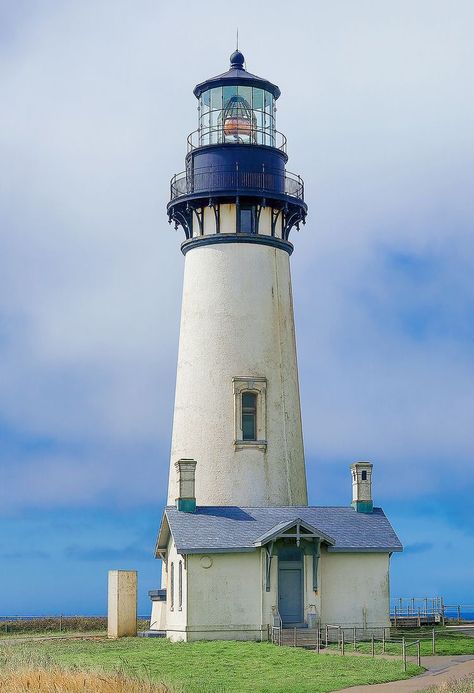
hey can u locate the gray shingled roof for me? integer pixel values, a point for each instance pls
(230, 528)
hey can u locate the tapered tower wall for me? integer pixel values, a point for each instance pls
(237, 325)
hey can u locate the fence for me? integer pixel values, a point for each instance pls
(458, 612)
(427, 610)
(344, 638)
(58, 623)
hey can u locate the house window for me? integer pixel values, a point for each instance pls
(246, 219)
(249, 416)
(172, 587)
(180, 585)
(364, 475)
(250, 413)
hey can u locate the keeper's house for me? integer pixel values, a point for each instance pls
(231, 571)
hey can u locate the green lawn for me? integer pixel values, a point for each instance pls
(447, 642)
(209, 667)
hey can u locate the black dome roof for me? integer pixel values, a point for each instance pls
(237, 74)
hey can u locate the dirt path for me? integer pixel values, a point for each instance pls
(439, 670)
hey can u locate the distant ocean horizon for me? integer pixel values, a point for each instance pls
(467, 614)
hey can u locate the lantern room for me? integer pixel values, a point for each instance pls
(237, 157)
(236, 108)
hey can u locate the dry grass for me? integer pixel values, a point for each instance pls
(55, 680)
(22, 671)
(464, 685)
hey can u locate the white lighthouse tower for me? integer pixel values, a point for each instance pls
(237, 407)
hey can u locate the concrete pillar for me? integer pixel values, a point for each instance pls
(122, 603)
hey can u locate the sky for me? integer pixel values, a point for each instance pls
(96, 104)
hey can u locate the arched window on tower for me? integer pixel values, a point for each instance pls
(249, 415)
(250, 412)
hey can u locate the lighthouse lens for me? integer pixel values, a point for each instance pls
(236, 114)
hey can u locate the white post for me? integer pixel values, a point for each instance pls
(122, 603)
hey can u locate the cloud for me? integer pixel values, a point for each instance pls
(28, 555)
(96, 107)
(107, 554)
(418, 547)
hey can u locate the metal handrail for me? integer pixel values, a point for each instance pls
(257, 136)
(265, 181)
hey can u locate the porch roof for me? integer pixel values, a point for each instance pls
(302, 530)
(232, 529)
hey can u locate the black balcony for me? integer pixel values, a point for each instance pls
(233, 182)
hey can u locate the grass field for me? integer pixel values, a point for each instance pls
(211, 667)
(56, 625)
(447, 642)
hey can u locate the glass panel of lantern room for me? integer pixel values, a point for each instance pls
(216, 110)
(257, 101)
(204, 102)
(246, 93)
(204, 120)
(246, 112)
(204, 107)
(269, 120)
(258, 110)
(238, 121)
(228, 93)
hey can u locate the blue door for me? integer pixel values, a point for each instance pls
(290, 586)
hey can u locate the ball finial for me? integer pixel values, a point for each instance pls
(237, 60)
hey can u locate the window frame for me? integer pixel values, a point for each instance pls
(172, 586)
(257, 386)
(180, 586)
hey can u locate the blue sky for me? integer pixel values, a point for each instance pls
(96, 105)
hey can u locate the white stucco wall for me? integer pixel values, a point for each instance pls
(176, 616)
(228, 221)
(158, 615)
(224, 595)
(355, 589)
(224, 599)
(237, 320)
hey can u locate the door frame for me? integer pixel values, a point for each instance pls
(293, 565)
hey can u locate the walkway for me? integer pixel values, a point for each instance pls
(439, 670)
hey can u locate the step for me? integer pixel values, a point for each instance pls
(151, 634)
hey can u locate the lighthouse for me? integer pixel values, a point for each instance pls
(237, 404)
(240, 547)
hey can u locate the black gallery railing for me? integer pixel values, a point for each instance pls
(235, 180)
